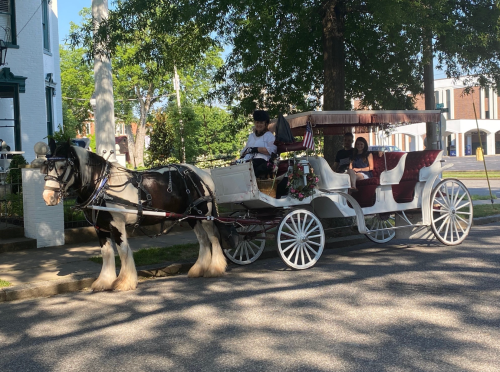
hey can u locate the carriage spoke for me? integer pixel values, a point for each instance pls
(249, 246)
(447, 227)
(313, 229)
(289, 240)
(306, 249)
(290, 228)
(314, 236)
(442, 205)
(291, 254)
(311, 249)
(456, 230)
(463, 205)
(295, 225)
(444, 223)
(458, 202)
(444, 199)
(315, 243)
(302, 254)
(464, 221)
(288, 234)
(440, 218)
(254, 245)
(289, 247)
(309, 225)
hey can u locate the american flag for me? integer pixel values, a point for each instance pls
(308, 137)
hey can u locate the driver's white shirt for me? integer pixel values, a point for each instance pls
(267, 141)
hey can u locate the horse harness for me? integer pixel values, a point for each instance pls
(101, 194)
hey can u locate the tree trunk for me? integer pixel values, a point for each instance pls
(334, 12)
(131, 145)
(432, 135)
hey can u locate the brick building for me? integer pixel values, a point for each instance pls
(30, 94)
(460, 134)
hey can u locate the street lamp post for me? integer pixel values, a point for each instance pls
(104, 112)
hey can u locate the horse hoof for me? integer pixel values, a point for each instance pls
(196, 271)
(213, 273)
(124, 285)
(100, 286)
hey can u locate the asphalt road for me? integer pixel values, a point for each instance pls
(466, 163)
(365, 308)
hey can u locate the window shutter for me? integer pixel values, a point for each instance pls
(4, 6)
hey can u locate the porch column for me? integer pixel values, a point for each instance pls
(490, 139)
(460, 144)
(482, 109)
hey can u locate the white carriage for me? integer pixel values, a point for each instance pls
(402, 182)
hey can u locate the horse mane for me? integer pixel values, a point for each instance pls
(85, 161)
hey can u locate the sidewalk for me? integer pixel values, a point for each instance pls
(49, 271)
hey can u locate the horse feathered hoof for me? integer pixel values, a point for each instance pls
(101, 285)
(213, 273)
(196, 271)
(123, 284)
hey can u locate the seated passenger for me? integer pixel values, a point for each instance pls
(361, 165)
(260, 144)
(343, 157)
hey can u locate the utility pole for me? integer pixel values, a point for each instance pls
(432, 135)
(103, 89)
(177, 84)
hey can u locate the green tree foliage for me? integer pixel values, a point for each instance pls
(286, 55)
(162, 139)
(77, 85)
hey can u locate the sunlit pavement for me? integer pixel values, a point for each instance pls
(365, 308)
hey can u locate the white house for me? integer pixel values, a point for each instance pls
(30, 79)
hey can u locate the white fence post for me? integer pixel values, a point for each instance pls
(41, 222)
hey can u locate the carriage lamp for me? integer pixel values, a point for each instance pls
(3, 52)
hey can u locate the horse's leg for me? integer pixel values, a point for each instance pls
(127, 279)
(218, 263)
(204, 257)
(108, 271)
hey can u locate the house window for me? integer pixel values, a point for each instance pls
(45, 24)
(49, 93)
(10, 130)
(8, 22)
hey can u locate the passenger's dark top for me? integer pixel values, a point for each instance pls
(343, 158)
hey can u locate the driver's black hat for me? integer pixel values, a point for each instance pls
(261, 115)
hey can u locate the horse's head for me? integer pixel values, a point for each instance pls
(60, 170)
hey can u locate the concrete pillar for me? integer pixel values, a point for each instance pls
(490, 138)
(460, 144)
(482, 109)
(41, 222)
(493, 102)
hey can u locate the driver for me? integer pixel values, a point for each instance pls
(260, 144)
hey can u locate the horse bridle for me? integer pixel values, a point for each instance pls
(63, 178)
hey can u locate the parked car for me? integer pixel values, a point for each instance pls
(384, 148)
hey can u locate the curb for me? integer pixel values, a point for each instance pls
(76, 283)
(485, 220)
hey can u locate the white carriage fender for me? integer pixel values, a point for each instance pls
(360, 217)
(426, 194)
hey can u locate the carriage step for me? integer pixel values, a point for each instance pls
(8, 231)
(17, 244)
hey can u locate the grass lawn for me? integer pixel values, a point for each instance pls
(4, 283)
(486, 210)
(493, 175)
(150, 256)
(481, 197)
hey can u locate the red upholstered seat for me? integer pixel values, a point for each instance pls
(286, 147)
(405, 191)
(365, 195)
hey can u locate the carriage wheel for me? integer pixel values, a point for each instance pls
(250, 248)
(452, 212)
(382, 222)
(301, 239)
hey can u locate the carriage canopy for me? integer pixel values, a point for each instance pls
(339, 122)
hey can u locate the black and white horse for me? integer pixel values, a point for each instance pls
(182, 189)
